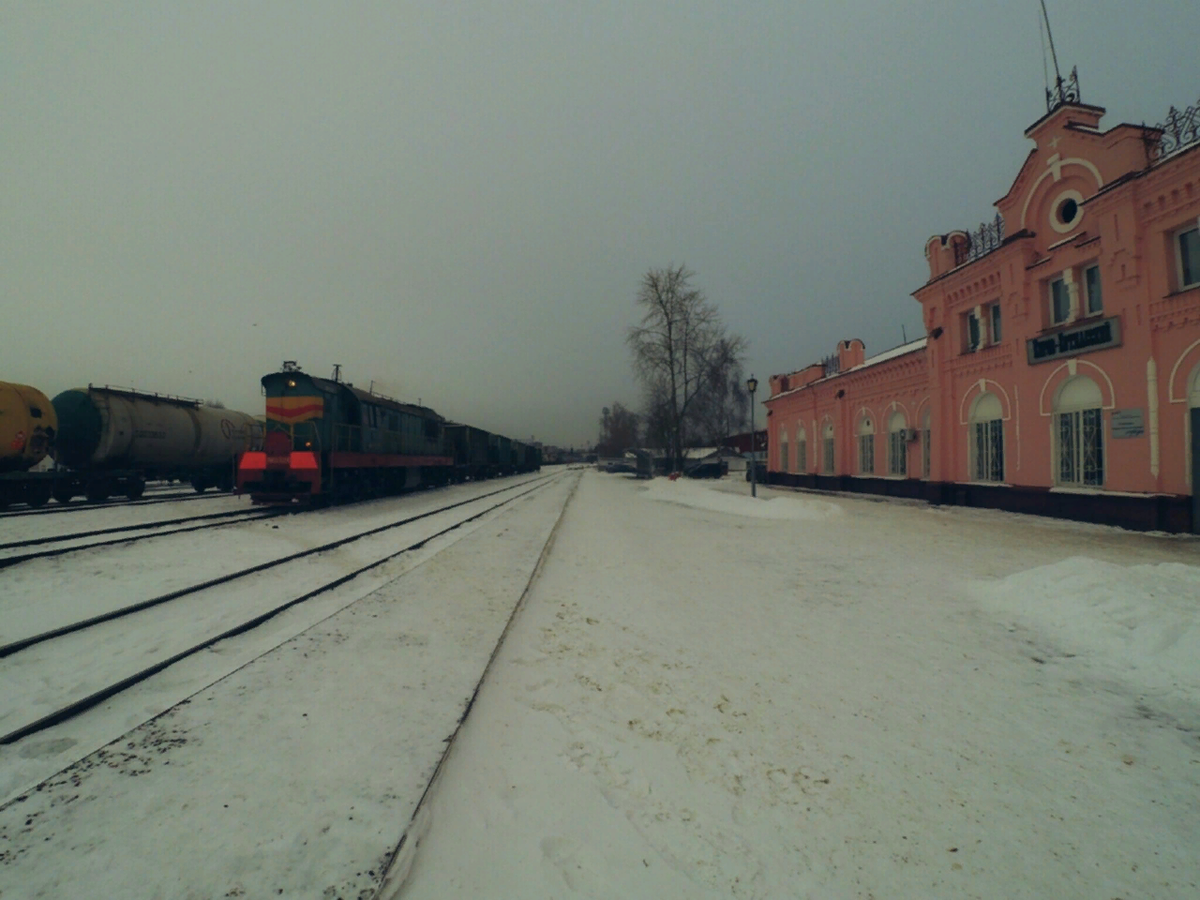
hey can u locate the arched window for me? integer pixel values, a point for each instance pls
(827, 448)
(1079, 432)
(926, 453)
(801, 449)
(783, 449)
(897, 444)
(987, 438)
(866, 446)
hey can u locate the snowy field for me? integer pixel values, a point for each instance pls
(700, 695)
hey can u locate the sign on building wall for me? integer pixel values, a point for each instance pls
(1128, 423)
(1073, 341)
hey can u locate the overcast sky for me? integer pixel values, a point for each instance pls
(458, 200)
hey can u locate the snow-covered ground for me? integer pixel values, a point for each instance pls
(712, 696)
(701, 695)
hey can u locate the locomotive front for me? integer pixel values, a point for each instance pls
(298, 430)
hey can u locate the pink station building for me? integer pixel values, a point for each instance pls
(1060, 369)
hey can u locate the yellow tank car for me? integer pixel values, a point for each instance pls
(28, 425)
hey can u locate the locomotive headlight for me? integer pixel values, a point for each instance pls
(291, 382)
(308, 445)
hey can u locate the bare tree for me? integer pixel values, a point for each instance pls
(619, 428)
(680, 349)
(722, 406)
(657, 418)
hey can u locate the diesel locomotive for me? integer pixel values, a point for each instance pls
(327, 441)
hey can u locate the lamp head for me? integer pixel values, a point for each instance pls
(752, 384)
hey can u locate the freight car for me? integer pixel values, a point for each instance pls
(468, 447)
(28, 425)
(111, 440)
(107, 441)
(328, 441)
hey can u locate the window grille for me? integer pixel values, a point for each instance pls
(926, 455)
(1081, 447)
(829, 454)
(898, 452)
(987, 451)
(801, 455)
(783, 450)
(866, 454)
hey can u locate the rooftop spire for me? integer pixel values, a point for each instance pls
(1065, 90)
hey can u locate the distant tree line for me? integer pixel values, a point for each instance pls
(690, 370)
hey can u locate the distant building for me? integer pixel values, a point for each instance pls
(741, 442)
(1060, 372)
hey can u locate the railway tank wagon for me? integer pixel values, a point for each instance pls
(28, 425)
(113, 439)
(327, 441)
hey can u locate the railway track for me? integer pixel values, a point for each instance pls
(62, 676)
(84, 506)
(15, 552)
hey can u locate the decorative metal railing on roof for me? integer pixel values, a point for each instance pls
(832, 365)
(988, 237)
(1065, 90)
(1181, 129)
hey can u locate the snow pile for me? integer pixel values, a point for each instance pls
(703, 496)
(1143, 619)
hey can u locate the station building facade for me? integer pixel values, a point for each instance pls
(1060, 369)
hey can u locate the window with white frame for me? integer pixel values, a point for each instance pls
(1060, 301)
(986, 426)
(866, 446)
(1187, 255)
(972, 333)
(783, 449)
(1094, 299)
(897, 444)
(801, 449)
(1079, 433)
(926, 452)
(827, 449)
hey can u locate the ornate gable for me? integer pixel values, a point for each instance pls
(1072, 162)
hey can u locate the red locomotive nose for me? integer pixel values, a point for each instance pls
(278, 446)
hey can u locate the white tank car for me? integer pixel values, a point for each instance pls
(103, 429)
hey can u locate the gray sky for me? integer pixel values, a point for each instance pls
(458, 200)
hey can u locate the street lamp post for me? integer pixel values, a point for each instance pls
(752, 386)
